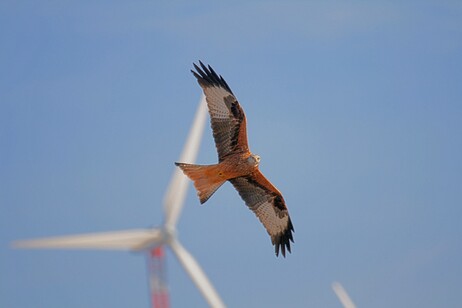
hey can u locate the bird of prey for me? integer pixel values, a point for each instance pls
(236, 163)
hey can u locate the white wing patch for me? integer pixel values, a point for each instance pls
(273, 222)
(216, 102)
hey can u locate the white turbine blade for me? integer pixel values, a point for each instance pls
(343, 295)
(119, 240)
(197, 275)
(176, 192)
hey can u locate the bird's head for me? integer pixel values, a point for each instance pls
(254, 160)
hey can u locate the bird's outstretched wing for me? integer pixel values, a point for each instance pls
(267, 203)
(227, 117)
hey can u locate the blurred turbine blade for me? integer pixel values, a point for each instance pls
(118, 240)
(197, 275)
(176, 192)
(342, 295)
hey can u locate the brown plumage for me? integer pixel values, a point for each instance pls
(236, 163)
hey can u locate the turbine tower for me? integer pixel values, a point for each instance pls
(152, 241)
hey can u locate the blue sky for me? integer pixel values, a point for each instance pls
(355, 108)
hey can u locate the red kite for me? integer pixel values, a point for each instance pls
(236, 163)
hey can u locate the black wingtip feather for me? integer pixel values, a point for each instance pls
(206, 76)
(282, 241)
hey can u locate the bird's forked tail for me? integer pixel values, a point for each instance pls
(207, 179)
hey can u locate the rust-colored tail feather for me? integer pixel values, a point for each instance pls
(206, 179)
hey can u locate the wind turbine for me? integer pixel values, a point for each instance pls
(342, 295)
(152, 241)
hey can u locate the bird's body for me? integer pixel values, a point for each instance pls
(208, 178)
(236, 163)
